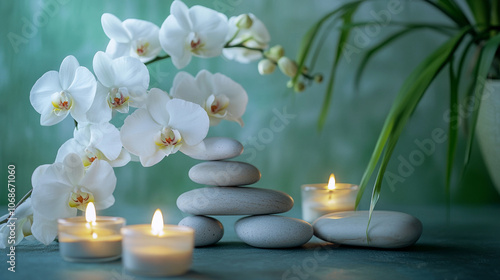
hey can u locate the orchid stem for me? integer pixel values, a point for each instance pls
(158, 58)
(25, 197)
(243, 46)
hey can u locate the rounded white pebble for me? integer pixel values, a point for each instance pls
(216, 148)
(387, 229)
(234, 201)
(270, 231)
(207, 230)
(224, 173)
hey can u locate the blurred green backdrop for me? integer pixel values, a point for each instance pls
(296, 155)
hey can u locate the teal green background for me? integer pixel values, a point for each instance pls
(296, 155)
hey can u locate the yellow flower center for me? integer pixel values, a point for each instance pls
(62, 102)
(80, 199)
(118, 99)
(142, 48)
(169, 140)
(195, 43)
(216, 106)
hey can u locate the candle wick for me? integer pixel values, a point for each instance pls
(91, 225)
(329, 194)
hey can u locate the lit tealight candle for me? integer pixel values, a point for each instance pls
(90, 238)
(157, 249)
(321, 199)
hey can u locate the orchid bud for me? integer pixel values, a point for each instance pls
(289, 84)
(299, 87)
(287, 66)
(275, 53)
(318, 78)
(266, 66)
(244, 21)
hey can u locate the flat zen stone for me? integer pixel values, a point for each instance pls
(207, 230)
(224, 173)
(234, 201)
(270, 231)
(216, 148)
(387, 229)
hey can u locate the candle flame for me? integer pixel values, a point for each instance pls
(157, 223)
(90, 215)
(94, 235)
(331, 182)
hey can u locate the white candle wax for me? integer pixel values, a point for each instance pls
(165, 254)
(318, 200)
(81, 241)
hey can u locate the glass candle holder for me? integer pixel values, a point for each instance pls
(319, 200)
(166, 254)
(81, 241)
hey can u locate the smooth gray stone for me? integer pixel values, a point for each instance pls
(207, 230)
(216, 148)
(224, 173)
(271, 231)
(387, 229)
(234, 201)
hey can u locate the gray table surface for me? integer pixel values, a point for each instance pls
(467, 246)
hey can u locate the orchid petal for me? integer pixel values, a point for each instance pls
(100, 111)
(67, 71)
(25, 209)
(241, 55)
(189, 119)
(181, 61)
(103, 69)
(181, 13)
(141, 29)
(106, 203)
(70, 146)
(51, 192)
(73, 168)
(131, 73)
(194, 150)
(48, 117)
(43, 229)
(115, 49)
(138, 133)
(184, 87)
(150, 160)
(235, 92)
(122, 159)
(106, 138)
(83, 90)
(145, 37)
(99, 179)
(114, 29)
(259, 30)
(155, 104)
(44, 87)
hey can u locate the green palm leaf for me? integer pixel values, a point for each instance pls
(483, 67)
(344, 35)
(406, 101)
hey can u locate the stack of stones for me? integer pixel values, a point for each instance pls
(228, 194)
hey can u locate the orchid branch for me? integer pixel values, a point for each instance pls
(25, 197)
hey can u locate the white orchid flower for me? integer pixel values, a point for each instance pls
(255, 36)
(69, 91)
(221, 97)
(163, 127)
(132, 37)
(197, 31)
(59, 189)
(20, 222)
(95, 141)
(123, 83)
